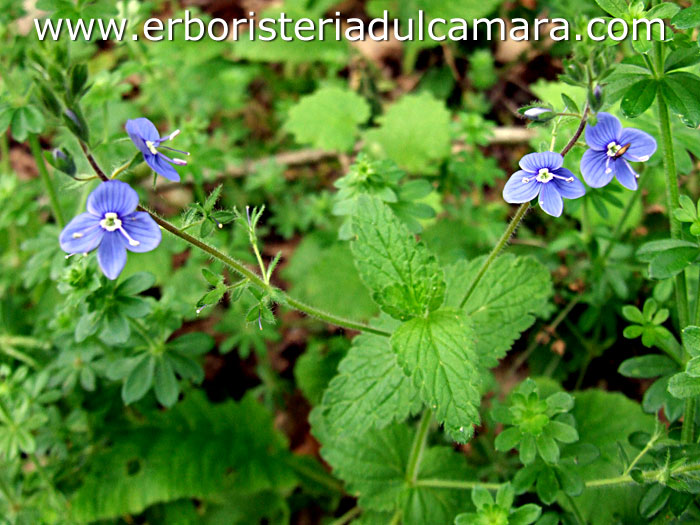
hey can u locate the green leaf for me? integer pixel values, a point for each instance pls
(603, 420)
(639, 98)
(404, 277)
(681, 91)
(505, 302)
(691, 340)
(328, 119)
(672, 262)
(165, 383)
(136, 284)
(414, 133)
(681, 58)
(370, 390)
(687, 18)
(647, 366)
(197, 450)
(683, 386)
(194, 343)
(374, 467)
(26, 120)
(548, 449)
(139, 380)
(437, 351)
(617, 8)
(562, 432)
(508, 439)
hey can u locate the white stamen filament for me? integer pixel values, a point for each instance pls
(173, 134)
(77, 235)
(132, 242)
(179, 162)
(608, 169)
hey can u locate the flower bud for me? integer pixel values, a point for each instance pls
(76, 123)
(61, 160)
(538, 114)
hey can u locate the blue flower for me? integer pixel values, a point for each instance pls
(612, 147)
(145, 136)
(542, 174)
(111, 223)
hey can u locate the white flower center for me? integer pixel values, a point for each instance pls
(112, 222)
(544, 175)
(613, 149)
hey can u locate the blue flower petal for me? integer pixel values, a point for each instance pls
(516, 191)
(568, 190)
(550, 200)
(86, 227)
(594, 166)
(162, 167)
(625, 174)
(111, 255)
(140, 130)
(607, 130)
(533, 162)
(142, 228)
(112, 196)
(642, 145)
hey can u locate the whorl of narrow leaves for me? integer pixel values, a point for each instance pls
(404, 277)
(437, 351)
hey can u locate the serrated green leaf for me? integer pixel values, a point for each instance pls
(505, 302)
(195, 450)
(437, 351)
(373, 464)
(414, 133)
(370, 390)
(681, 91)
(404, 277)
(328, 119)
(683, 386)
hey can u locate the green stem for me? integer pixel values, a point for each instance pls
(416, 454)
(455, 484)
(348, 516)
(514, 222)
(240, 268)
(672, 196)
(5, 153)
(46, 179)
(124, 166)
(576, 511)
(625, 214)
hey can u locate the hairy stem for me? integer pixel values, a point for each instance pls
(672, 195)
(347, 517)
(46, 179)
(240, 268)
(514, 222)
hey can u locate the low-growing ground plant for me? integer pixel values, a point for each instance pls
(431, 283)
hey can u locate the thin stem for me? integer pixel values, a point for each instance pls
(5, 152)
(625, 214)
(46, 179)
(672, 196)
(576, 511)
(347, 517)
(414, 458)
(240, 268)
(512, 226)
(124, 166)
(456, 484)
(577, 134)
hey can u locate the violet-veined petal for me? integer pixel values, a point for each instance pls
(606, 130)
(568, 190)
(112, 196)
(550, 200)
(143, 229)
(642, 145)
(597, 168)
(516, 191)
(111, 255)
(533, 162)
(82, 234)
(625, 174)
